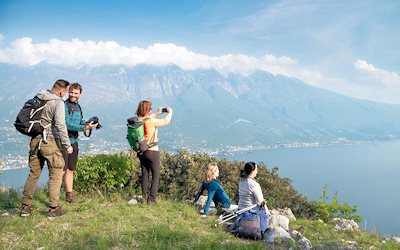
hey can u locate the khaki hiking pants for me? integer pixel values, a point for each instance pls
(39, 154)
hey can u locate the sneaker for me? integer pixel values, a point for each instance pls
(26, 210)
(55, 212)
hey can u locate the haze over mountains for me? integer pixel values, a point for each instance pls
(210, 111)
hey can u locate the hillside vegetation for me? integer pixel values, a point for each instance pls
(106, 221)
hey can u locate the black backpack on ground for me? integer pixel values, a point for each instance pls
(28, 119)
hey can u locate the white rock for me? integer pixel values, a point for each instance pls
(304, 243)
(133, 200)
(278, 221)
(396, 239)
(287, 212)
(343, 224)
(201, 202)
(276, 233)
(5, 214)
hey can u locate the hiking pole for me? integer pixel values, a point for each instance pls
(229, 217)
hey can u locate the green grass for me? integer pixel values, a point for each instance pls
(322, 233)
(111, 223)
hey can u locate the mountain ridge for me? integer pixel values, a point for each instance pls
(279, 110)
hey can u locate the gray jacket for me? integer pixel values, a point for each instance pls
(53, 117)
(250, 193)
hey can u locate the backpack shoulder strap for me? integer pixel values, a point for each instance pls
(80, 109)
(68, 103)
(69, 106)
(151, 144)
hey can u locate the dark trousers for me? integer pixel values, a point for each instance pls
(150, 162)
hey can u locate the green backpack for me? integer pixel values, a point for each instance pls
(136, 135)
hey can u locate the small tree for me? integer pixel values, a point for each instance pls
(327, 212)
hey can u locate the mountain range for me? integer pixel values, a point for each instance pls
(211, 111)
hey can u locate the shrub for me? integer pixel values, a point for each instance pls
(327, 212)
(10, 197)
(104, 172)
(181, 175)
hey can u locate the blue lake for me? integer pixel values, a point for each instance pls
(366, 175)
(17, 177)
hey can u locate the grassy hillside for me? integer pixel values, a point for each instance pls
(106, 221)
(111, 223)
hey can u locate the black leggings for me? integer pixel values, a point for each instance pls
(150, 162)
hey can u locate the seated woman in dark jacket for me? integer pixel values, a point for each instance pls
(216, 192)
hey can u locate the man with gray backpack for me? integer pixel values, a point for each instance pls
(46, 147)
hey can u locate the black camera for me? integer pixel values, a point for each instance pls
(164, 110)
(95, 120)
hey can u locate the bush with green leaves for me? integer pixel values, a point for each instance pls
(104, 172)
(327, 212)
(181, 175)
(10, 197)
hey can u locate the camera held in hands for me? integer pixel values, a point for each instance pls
(96, 122)
(164, 110)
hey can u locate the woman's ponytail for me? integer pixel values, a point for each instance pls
(248, 168)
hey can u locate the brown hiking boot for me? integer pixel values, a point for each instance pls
(300, 230)
(55, 212)
(70, 197)
(26, 210)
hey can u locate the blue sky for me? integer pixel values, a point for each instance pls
(350, 47)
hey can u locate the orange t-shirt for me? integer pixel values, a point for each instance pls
(150, 128)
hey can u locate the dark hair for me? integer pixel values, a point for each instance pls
(75, 86)
(60, 84)
(143, 108)
(248, 168)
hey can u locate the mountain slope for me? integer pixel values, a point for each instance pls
(211, 111)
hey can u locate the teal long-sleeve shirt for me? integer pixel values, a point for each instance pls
(74, 120)
(216, 193)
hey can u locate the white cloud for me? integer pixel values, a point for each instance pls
(369, 72)
(1, 38)
(23, 51)
(75, 52)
